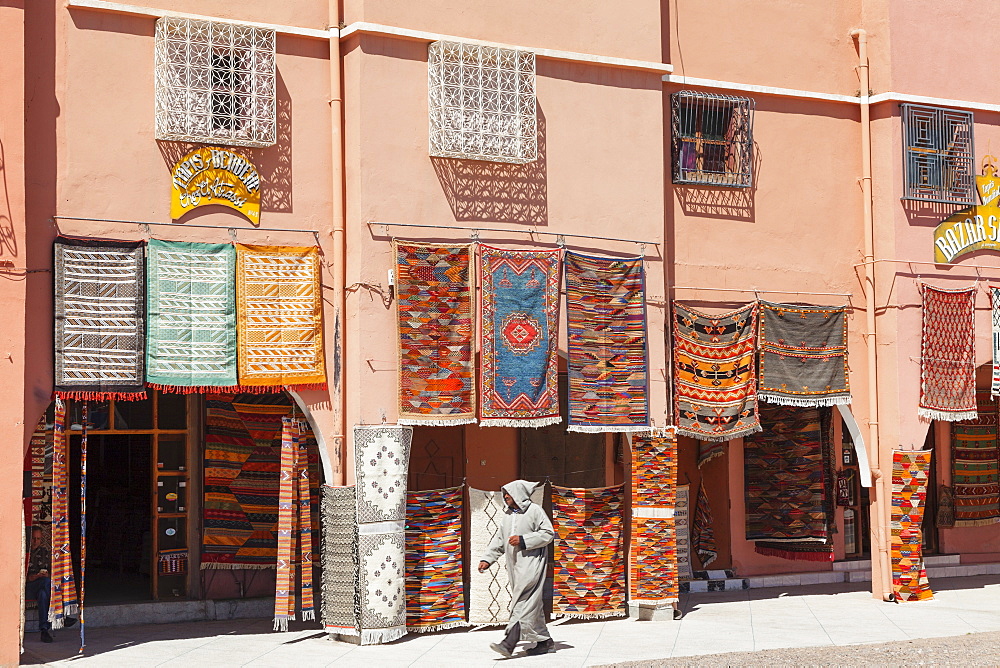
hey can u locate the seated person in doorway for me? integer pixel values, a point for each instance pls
(525, 532)
(38, 585)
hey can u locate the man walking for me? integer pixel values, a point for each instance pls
(525, 532)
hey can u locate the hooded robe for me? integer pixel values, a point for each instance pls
(526, 567)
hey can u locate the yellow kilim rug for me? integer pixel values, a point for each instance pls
(279, 318)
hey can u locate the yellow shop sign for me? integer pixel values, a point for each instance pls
(215, 176)
(975, 228)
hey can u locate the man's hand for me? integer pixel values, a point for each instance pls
(483, 566)
(515, 541)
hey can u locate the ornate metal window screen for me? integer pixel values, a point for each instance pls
(712, 139)
(215, 83)
(938, 155)
(481, 103)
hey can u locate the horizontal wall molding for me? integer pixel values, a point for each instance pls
(880, 98)
(135, 10)
(552, 54)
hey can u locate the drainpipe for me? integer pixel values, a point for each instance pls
(880, 510)
(338, 259)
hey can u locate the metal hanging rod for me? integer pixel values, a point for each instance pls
(183, 225)
(773, 292)
(558, 235)
(927, 262)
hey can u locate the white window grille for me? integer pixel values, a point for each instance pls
(481, 103)
(214, 83)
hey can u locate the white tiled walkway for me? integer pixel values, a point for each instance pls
(832, 614)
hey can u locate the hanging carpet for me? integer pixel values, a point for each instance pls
(99, 319)
(435, 598)
(519, 338)
(63, 602)
(975, 460)
(682, 527)
(786, 481)
(435, 324)
(709, 450)
(381, 457)
(489, 592)
(241, 475)
(909, 494)
(947, 355)
(589, 579)
(653, 557)
(702, 531)
(803, 355)
(715, 382)
(279, 318)
(606, 344)
(339, 555)
(191, 314)
(294, 521)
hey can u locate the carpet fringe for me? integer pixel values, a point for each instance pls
(443, 422)
(712, 438)
(99, 396)
(436, 627)
(281, 623)
(803, 402)
(659, 603)
(527, 422)
(380, 636)
(205, 565)
(977, 523)
(947, 416)
(590, 615)
(712, 456)
(308, 615)
(607, 429)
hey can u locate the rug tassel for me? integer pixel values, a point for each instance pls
(534, 423)
(607, 429)
(804, 402)
(443, 422)
(947, 416)
(379, 636)
(714, 438)
(436, 627)
(590, 615)
(281, 623)
(308, 615)
(976, 523)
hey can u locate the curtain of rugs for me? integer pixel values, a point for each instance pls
(607, 345)
(242, 474)
(788, 485)
(653, 554)
(589, 579)
(910, 470)
(975, 466)
(193, 318)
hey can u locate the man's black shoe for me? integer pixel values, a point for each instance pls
(543, 647)
(46, 636)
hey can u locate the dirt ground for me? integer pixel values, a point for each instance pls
(973, 649)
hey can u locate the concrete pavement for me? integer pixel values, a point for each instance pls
(749, 620)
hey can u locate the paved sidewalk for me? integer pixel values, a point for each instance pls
(755, 619)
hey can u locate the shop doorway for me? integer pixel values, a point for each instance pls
(137, 496)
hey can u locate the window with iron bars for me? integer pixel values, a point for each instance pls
(712, 139)
(938, 155)
(215, 83)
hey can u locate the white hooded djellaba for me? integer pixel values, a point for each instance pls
(525, 567)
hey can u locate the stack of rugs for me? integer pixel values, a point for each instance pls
(192, 317)
(606, 338)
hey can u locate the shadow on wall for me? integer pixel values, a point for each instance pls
(478, 190)
(8, 240)
(274, 163)
(928, 214)
(720, 201)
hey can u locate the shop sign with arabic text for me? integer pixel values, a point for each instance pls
(212, 175)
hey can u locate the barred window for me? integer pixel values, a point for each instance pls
(712, 139)
(481, 103)
(938, 155)
(215, 83)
